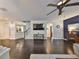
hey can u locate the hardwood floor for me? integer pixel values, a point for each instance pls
(22, 49)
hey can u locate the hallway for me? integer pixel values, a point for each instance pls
(22, 49)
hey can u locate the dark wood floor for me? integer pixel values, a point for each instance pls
(22, 49)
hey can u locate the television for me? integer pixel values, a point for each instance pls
(38, 27)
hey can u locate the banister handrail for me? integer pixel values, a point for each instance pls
(25, 32)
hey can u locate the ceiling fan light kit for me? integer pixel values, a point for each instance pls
(60, 5)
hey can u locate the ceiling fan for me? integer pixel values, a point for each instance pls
(61, 5)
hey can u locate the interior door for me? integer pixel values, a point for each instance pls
(49, 31)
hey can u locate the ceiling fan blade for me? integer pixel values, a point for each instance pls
(60, 11)
(51, 12)
(52, 5)
(63, 2)
(72, 4)
(66, 1)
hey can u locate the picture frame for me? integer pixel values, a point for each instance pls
(58, 26)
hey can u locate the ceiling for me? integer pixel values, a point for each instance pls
(30, 9)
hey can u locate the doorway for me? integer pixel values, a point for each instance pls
(73, 32)
(49, 38)
(71, 27)
(49, 31)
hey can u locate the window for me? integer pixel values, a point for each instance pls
(38, 27)
(19, 28)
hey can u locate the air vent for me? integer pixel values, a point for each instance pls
(3, 9)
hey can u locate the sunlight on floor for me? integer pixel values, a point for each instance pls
(48, 47)
(19, 46)
(69, 51)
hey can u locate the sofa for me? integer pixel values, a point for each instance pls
(52, 56)
(76, 48)
(55, 56)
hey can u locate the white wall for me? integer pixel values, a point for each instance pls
(8, 30)
(58, 32)
(4, 30)
(11, 29)
(19, 35)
